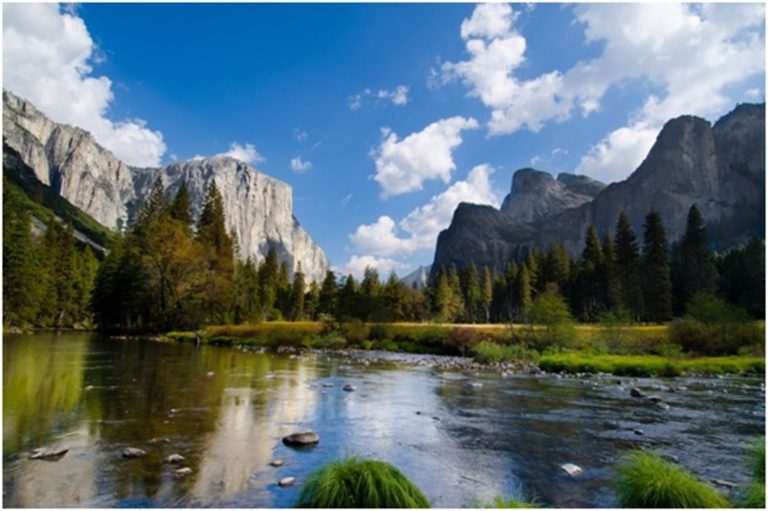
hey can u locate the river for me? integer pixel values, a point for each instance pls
(226, 411)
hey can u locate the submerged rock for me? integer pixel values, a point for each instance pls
(635, 392)
(133, 452)
(571, 469)
(348, 387)
(304, 438)
(655, 399)
(286, 481)
(52, 453)
(662, 405)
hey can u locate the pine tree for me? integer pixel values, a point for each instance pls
(609, 275)
(348, 298)
(486, 295)
(524, 292)
(457, 301)
(590, 279)
(697, 270)
(557, 266)
(472, 293)
(267, 274)
(155, 205)
(247, 307)
(328, 294)
(181, 207)
(658, 284)
(370, 292)
(394, 293)
(312, 301)
(297, 295)
(628, 267)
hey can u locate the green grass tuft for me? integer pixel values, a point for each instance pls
(754, 496)
(646, 480)
(487, 352)
(508, 503)
(757, 460)
(360, 483)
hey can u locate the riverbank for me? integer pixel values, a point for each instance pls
(462, 347)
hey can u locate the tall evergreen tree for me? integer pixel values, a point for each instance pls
(628, 267)
(697, 270)
(328, 294)
(590, 279)
(486, 294)
(181, 207)
(348, 297)
(297, 295)
(267, 274)
(247, 307)
(609, 275)
(657, 282)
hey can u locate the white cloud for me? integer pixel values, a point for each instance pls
(357, 265)
(403, 165)
(420, 228)
(47, 57)
(692, 55)
(299, 165)
(397, 96)
(246, 153)
(345, 200)
(300, 135)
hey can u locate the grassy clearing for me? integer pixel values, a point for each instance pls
(648, 365)
(360, 483)
(646, 480)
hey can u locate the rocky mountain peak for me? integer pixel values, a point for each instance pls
(258, 208)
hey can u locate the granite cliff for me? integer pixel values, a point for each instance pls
(258, 208)
(720, 169)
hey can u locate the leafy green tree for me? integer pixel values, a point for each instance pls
(312, 301)
(549, 311)
(628, 266)
(657, 281)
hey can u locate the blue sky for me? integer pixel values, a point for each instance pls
(384, 116)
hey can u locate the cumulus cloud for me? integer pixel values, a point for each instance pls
(246, 153)
(419, 229)
(692, 55)
(397, 96)
(384, 265)
(403, 165)
(299, 165)
(47, 57)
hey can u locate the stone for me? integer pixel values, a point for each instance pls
(655, 399)
(635, 392)
(258, 208)
(279, 462)
(52, 453)
(571, 469)
(286, 481)
(175, 458)
(305, 438)
(724, 483)
(348, 387)
(134, 452)
(639, 432)
(473, 385)
(719, 168)
(662, 405)
(182, 472)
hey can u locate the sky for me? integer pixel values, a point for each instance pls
(384, 117)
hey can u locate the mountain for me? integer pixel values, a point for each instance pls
(720, 169)
(418, 278)
(258, 208)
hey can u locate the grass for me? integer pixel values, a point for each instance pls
(360, 483)
(754, 495)
(508, 503)
(646, 480)
(488, 352)
(648, 365)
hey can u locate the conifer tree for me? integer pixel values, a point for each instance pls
(348, 296)
(181, 207)
(628, 267)
(524, 292)
(218, 248)
(247, 307)
(697, 270)
(297, 295)
(328, 294)
(267, 274)
(394, 294)
(311, 301)
(609, 275)
(590, 280)
(472, 293)
(656, 277)
(486, 288)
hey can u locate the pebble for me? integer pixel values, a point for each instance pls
(279, 462)
(209, 374)
(182, 472)
(286, 481)
(175, 458)
(348, 387)
(301, 439)
(474, 385)
(655, 399)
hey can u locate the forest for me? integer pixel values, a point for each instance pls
(168, 272)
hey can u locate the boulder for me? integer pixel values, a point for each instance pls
(305, 438)
(571, 469)
(635, 392)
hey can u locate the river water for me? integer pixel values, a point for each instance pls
(226, 411)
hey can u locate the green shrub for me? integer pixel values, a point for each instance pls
(557, 326)
(757, 460)
(331, 341)
(355, 331)
(646, 480)
(488, 352)
(754, 496)
(378, 332)
(360, 483)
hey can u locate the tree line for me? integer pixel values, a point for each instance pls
(168, 272)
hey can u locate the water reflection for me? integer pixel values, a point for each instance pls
(225, 411)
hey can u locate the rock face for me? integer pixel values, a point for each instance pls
(720, 169)
(418, 278)
(258, 208)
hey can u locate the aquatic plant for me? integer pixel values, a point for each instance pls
(360, 483)
(646, 480)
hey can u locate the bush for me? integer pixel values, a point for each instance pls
(488, 352)
(646, 480)
(713, 327)
(360, 483)
(355, 331)
(558, 328)
(330, 341)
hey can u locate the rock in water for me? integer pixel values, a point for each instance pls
(133, 452)
(348, 387)
(52, 453)
(474, 385)
(571, 469)
(655, 399)
(175, 458)
(286, 481)
(306, 438)
(279, 462)
(635, 392)
(182, 472)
